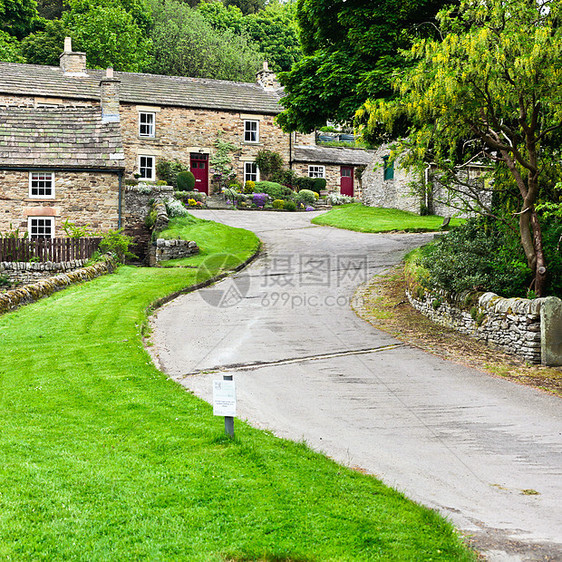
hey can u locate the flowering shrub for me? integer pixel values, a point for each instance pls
(335, 199)
(278, 204)
(309, 208)
(307, 196)
(249, 186)
(260, 199)
(175, 208)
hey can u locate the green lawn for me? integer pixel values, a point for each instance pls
(103, 458)
(356, 216)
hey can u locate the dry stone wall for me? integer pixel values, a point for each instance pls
(31, 293)
(163, 250)
(514, 325)
(24, 273)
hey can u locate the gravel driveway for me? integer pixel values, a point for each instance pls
(483, 451)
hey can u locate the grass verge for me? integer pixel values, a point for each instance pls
(385, 306)
(360, 218)
(104, 458)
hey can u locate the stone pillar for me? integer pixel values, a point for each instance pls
(266, 78)
(551, 332)
(71, 63)
(109, 98)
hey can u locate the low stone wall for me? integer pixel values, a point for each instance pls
(518, 326)
(31, 293)
(24, 273)
(163, 250)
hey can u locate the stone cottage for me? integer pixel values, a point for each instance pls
(343, 168)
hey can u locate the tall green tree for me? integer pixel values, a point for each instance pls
(110, 33)
(10, 50)
(272, 30)
(185, 44)
(351, 47)
(17, 17)
(492, 87)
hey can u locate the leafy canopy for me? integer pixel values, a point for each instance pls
(490, 90)
(350, 47)
(185, 44)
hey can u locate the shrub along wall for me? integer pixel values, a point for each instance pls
(530, 329)
(31, 293)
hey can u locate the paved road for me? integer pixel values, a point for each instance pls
(483, 451)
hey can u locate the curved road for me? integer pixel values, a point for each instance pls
(483, 451)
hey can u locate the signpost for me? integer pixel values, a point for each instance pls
(224, 402)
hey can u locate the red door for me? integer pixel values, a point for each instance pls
(200, 169)
(346, 180)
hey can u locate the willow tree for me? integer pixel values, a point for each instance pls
(491, 87)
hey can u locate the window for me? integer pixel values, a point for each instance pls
(41, 227)
(146, 124)
(146, 167)
(251, 172)
(42, 184)
(251, 131)
(388, 169)
(316, 171)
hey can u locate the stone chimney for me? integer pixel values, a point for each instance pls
(72, 64)
(266, 78)
(109, 97)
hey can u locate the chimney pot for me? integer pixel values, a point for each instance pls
(72, 63)
(68, 44)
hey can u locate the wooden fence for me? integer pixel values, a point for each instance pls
(47, 249)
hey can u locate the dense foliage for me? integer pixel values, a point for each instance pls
(484, 255)
(489, 90)
(207, 39)
(351, 48)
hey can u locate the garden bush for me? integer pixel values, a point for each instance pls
(249, 186)
(278, 204)
(274, 190)
(260, 199)
(336, 199)
(305, 183)
(480, 255)
(290, 206)
(270, 164)
(319, 185)
(307, 197)
(185, 181)
(168, 170)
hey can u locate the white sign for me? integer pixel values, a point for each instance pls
(224, 398)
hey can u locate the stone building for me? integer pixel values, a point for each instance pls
(387, 184)
(70, 135)
(343, 168)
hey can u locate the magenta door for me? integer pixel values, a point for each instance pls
(346, 180)
(200, 169)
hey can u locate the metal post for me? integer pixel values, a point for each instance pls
(228, 420)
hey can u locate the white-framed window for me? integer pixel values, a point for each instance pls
(251, 172)
(316, 172)
(42, 185)
(147, 122)
(251, 131)
(147, 168)
(41, 227)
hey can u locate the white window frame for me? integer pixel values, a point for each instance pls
(50, 220)
(145, 168)
(251, 133)
(150, 125)
(250, 175)
(315, 171)
(48, 179)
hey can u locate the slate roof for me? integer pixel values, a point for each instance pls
(58, 138)
(151, 89)
(333, 155)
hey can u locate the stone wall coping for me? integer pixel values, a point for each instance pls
(495, 303)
